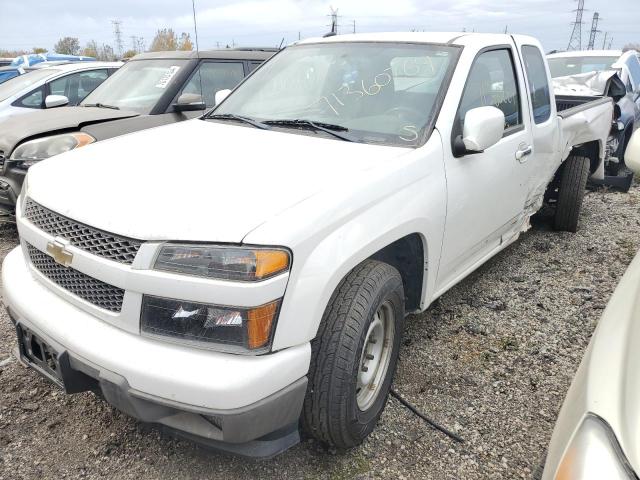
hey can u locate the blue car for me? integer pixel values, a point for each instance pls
(10, 72)
(33, 58)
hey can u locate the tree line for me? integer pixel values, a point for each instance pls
(165, 39)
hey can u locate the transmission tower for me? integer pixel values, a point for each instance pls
(604, 42)
(334, 20)
(594, 31)
(118, 36)
(575, 42)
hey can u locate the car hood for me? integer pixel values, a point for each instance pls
(196, 180)
(15, 128)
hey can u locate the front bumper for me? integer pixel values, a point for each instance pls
(227, 401)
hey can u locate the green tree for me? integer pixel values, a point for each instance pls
(185, 42)
(67, 46)
(39, 50)
(165, 40)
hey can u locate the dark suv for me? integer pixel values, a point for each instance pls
(150, 90)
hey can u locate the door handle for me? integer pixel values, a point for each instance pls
(523, 152)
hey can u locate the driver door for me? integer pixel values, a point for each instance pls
(486, 192)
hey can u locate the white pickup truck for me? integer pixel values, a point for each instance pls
(239, 277)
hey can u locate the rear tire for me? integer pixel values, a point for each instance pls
(573, 182)
(359, 338)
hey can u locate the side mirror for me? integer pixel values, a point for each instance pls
(483, 128)
(53, 101)
(632, 153)
(189, 102)
(221, 95)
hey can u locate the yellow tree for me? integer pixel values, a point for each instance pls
(164, 40)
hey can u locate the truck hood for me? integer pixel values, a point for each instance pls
(196, 180)
(14, 129)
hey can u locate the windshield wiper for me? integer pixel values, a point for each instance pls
(329, 128)
(231, 116)
(101, 105)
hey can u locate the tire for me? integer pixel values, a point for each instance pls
(335, 411)
(573, 182)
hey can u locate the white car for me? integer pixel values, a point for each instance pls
(230, 275)
(595, 436)
(52, 86)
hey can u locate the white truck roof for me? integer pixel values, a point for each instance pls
(457, 38)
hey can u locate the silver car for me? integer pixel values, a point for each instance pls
(53, 86)
(597, 435)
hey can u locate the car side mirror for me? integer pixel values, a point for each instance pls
(53, 101)
(189, 102)
(221, 95)
(632, 153)
(483, 128)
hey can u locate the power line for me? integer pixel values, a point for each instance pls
(575, 42)
(594, 31)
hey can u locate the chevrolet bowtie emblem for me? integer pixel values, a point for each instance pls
(59, 253)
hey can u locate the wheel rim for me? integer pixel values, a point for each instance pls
(376, 356)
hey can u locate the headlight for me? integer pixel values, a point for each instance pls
(231, 327)
(33, 151)
(225, 263)
(594, 454)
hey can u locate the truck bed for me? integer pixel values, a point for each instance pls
(568, 105)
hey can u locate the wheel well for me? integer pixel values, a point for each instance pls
(591, 150)
(407, 256)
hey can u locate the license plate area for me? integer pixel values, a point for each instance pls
(39, 355)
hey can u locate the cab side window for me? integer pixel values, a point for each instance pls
(492, 81)
(633, 64)
(34, 99)
(214, 76)
(538, 83)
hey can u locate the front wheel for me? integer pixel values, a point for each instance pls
(354, 356)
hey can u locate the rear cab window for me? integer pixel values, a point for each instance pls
(538, 83)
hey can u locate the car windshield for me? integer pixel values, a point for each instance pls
(16, 85)
(382, 93)
(563, 66)
(137, 85)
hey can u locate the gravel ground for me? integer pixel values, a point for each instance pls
(492, 360)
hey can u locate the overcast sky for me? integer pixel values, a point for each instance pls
(30, 23)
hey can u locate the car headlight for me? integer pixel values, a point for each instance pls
(229, 328)
(33, 151)
(594, 454)
(223, 262)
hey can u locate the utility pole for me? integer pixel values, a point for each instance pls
(354, 26)
(594, 31)
(604, 42)
(610, 42)
(575, 42)
(506, 29)
(118, 35)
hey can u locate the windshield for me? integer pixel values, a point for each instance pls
(381, 93)
(563, 66)
(137, 85)
(17, 84)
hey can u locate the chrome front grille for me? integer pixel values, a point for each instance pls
(88, 288)
(84, 237)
